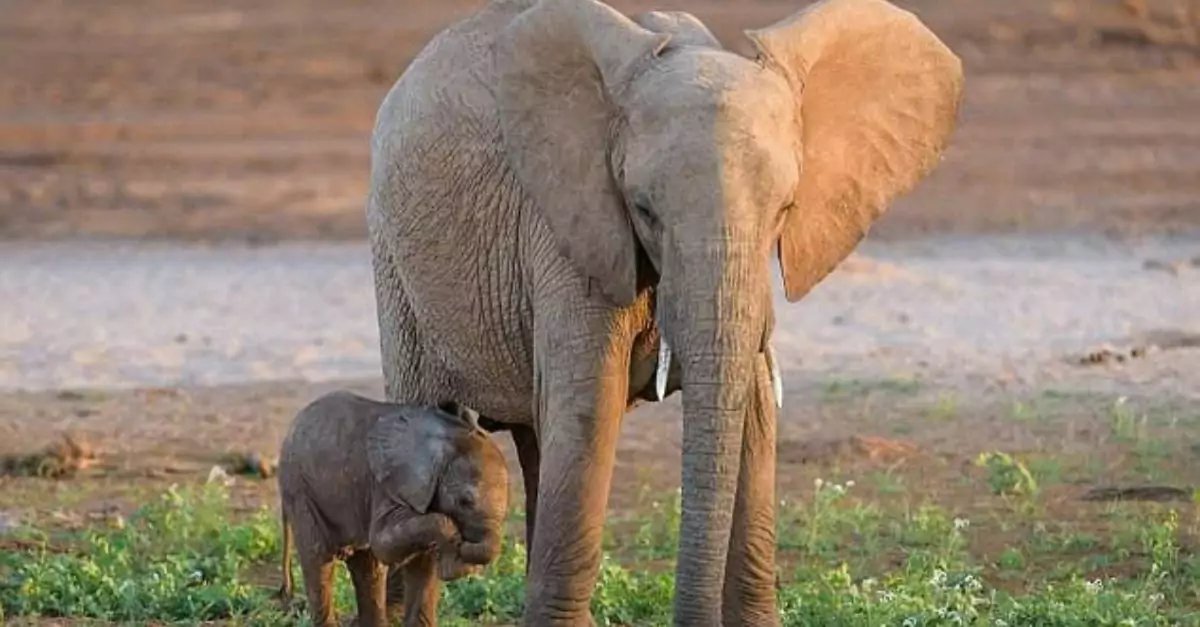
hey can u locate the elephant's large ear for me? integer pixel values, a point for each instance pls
(560, 66)
(408, 450)
(878, 96)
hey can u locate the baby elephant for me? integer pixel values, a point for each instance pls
(381, 484)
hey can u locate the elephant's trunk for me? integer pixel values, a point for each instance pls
(483, 552)
(714, 323)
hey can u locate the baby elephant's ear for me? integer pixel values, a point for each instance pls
(408, 452)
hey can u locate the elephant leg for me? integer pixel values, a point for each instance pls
(583, 383)
(749, 592)
(422, 590)
(317, 560)
(395, 591)
(370, 588)
(525, 439)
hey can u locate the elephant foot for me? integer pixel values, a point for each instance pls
(582, 621)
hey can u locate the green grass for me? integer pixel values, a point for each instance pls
(846, 561)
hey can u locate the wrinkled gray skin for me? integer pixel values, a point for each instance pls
(379, 484)
(556, 189)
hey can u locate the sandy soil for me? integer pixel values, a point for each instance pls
(192, 118)
(956, 312)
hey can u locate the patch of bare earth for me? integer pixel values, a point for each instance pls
(222, 119)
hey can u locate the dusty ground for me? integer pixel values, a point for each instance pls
(226, 120)
(214, 119)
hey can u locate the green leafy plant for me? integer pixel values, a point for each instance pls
(185, 558)
(1006, 475)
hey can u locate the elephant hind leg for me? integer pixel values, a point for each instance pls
(525, 439)
(317, 560)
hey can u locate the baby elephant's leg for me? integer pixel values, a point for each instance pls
(370, 588)
(422, 590)
(316, 562)
(395, 591)
(413, 544)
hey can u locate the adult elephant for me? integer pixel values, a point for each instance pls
(559, 193)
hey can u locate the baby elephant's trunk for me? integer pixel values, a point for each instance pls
(484, 551)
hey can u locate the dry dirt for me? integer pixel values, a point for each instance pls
(191, 118)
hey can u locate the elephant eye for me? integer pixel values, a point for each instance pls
(465, 501)
(644, 212)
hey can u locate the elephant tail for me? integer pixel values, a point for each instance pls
(285, 590)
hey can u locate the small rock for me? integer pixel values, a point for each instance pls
(1170, 267)
(216, 474)
(70, 395)
(1107, 354)
(252, 464)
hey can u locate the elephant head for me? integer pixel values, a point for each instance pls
(656, 157)
(438, 459)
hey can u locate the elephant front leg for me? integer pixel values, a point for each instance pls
(370, 591)
(749, 592)
(422, 590)
(582, 401)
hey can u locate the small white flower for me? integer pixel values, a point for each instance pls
(961, 523)
(850, 483)
(1121, 400)
(839, 489)
(818, 482)
(1094, 586)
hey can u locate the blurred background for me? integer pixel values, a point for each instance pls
(223, 119)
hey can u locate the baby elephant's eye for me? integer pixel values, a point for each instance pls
(466, 501)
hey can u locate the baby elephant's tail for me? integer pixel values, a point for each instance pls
(285, 590)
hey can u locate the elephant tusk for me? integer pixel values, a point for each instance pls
(664, 367)
(776, 379)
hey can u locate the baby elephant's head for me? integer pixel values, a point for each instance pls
(439, 460)
(473, 490)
